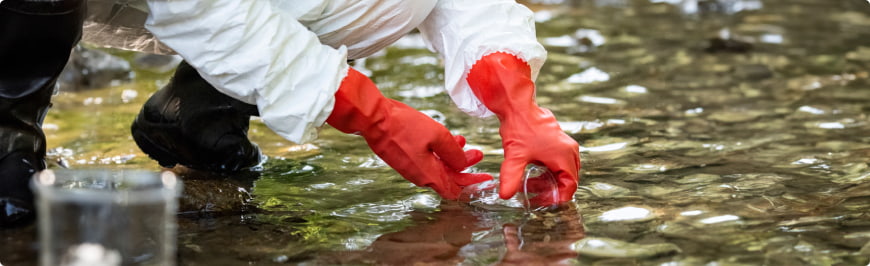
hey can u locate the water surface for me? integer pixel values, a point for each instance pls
(730, 132)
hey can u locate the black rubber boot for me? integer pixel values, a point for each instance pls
(35, 42)
(191, 123)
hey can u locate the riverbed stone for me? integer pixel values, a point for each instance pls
(611, 248)
(91, 69)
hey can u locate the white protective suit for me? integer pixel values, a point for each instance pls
(289, 57)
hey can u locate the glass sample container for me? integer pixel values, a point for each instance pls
(106, 217)
(537, 180)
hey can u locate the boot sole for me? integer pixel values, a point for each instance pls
(154, 149)
(158, 140)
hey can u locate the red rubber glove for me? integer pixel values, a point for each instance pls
(530, 134)
(419, 148)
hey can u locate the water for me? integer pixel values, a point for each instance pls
(727, 132)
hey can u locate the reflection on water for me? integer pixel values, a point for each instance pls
(458, 235)
(729, 132)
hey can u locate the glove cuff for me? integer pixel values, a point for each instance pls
(359, 105)
(503, 83)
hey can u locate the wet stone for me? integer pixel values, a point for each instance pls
(670, 145)
(605, 190)
(615, 262)
(628, 214)
(753, 72)
(698, 179)
(700, 233)
(612, 248)
(811, 220)
(735, 116)
(859, 169)
(203, 239)
(765, 182)
(660, 192)
(858, 235)
(720, 45)
(860, 190)
(804, 250)
(686, 261)
(213, 197)
(860, 54)
(207, 193)
(856, 204)
(809, 229)
(865, 251)
(92, 68)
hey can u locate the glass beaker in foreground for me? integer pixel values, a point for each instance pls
(104, 217)
(536, 179)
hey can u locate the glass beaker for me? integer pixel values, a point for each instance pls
(536, 179)
(106, 217)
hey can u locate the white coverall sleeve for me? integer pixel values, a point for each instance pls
(463, 31)
(253, 52)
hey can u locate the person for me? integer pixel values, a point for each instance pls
(36, 38)
(286, 61)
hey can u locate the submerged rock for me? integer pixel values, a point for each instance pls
(860, 54)
(207, 193)
(697, 179)
(604, 190)
(627, 214)
(735, 116)
(865, 251)
(720, 45)
(612, 248)
(91, 69)
(753, 72)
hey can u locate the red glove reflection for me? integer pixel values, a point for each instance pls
(419, 148)
(530, 134)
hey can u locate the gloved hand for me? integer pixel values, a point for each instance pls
(419, 148)
(530, 134)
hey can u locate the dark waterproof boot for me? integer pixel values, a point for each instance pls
(35, 42)
(191, 123)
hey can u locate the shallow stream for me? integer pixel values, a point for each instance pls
(712, 132)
